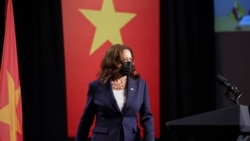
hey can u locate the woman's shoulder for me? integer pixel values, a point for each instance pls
(139, 80)
(94, 82)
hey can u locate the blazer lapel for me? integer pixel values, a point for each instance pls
(130, 92)
(110, 96)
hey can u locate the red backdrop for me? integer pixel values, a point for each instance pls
(90, 27)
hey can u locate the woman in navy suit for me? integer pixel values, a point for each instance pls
(118, 101)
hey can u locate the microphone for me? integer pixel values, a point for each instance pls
(230, 87)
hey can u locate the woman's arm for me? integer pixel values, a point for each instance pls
(87, 118)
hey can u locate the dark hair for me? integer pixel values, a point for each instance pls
(110, 62)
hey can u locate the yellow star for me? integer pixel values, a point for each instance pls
(108, 23)
(8, 113)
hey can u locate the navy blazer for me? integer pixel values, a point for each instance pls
(102, 106)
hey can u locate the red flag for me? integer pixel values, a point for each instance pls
(10, 93)
(90, 27)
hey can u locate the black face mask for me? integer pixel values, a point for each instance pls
(126, 68)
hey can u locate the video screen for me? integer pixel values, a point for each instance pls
(232, 15)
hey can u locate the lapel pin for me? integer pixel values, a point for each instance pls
(132, 89)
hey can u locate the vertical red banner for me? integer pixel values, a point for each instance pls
(10, 91)
(90, 27)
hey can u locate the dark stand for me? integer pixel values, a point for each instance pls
(229, 124)
(235, 96)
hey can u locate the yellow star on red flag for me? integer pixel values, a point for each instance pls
(108, 23)
(8, 113)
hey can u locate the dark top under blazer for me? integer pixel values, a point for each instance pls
(109, 119)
